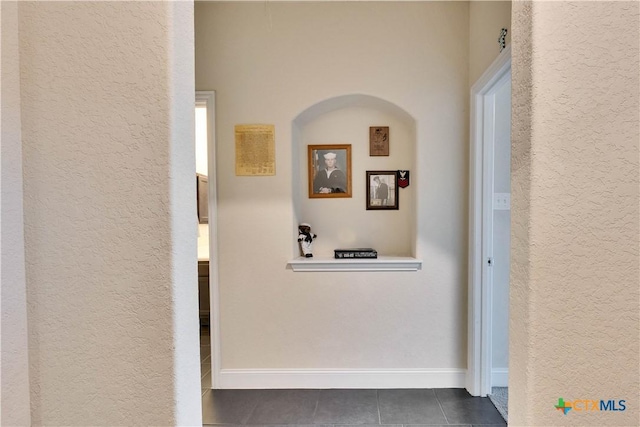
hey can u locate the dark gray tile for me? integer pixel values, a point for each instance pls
(275, 425)
(229, 406)
(368, 425)
(472, 410)
(452, 394)
(409, 406)
(460, 407)
(488, 425)
(439, 425)
(285, 407)
(347, 407)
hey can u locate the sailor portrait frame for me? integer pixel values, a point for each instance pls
(329, 169)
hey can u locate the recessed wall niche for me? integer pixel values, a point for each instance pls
(345, 222)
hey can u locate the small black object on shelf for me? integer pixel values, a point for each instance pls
(356, 253)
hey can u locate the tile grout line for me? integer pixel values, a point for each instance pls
(441, 408)
(378, 406)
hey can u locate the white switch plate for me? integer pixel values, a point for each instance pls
(501, 201)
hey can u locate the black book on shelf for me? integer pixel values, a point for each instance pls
(355, 253)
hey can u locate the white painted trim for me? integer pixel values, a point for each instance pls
(341, 378)
(488, 137)
(208, 99)
(384, 263)
(478, 346)
(500, 377)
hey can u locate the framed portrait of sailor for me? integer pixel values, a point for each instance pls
(329, 171)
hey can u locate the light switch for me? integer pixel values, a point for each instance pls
(501, 201)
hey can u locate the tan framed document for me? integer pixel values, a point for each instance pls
(255, 150)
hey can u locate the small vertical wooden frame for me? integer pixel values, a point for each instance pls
(379, 141)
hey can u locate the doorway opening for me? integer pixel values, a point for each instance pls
(207, 238)
(489, 229)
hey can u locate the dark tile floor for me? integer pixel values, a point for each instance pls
(342, 407)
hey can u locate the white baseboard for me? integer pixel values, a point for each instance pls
(341, 378)
(500, 377)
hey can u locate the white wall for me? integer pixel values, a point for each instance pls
(575, 208)
(107, 126)
(270, 62)
(486, 20)
(344, 222)
(13, 327)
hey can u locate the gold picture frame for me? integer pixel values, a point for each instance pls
(329, 169)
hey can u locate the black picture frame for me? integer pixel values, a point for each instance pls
(379, 185)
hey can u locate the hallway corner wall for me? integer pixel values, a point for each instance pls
(109, 200)
(575, 211)
(15, 405)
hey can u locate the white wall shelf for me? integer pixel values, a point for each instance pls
(383, 263)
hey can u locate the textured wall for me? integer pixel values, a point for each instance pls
(270, 62)
(574, 277)
(486, 19)
(108, 168)
(13, 327)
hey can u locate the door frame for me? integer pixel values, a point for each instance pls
(481, 224)
(208, 100)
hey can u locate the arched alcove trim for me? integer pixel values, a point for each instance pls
(299, 123)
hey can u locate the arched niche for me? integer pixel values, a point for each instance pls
(345, 222)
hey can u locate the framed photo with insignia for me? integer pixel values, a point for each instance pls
(382, 190)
